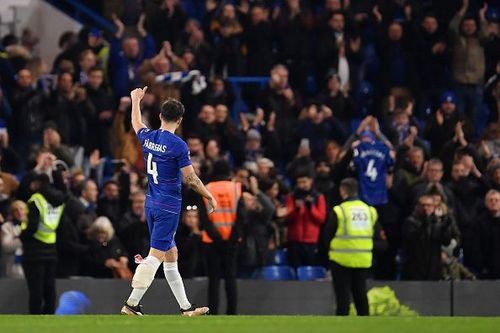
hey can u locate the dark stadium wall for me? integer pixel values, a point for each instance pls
(478, 298)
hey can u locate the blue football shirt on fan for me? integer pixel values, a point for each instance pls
(372, 161)
(165, 154)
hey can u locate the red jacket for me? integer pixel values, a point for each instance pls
(304, 223)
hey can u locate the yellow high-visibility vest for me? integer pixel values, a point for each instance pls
(50, 217)
(352, 245)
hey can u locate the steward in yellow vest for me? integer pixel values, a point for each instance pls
(45, 209)
(349, 235)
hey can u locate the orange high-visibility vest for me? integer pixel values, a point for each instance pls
(227, 193)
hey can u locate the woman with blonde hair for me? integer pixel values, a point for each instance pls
(107, 257)
(12, 247)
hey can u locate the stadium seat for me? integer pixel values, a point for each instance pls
(309, 273)
(276, 273)
(280, 257)
(72, 303)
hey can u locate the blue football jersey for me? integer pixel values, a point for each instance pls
(165, 154)
(372, 160)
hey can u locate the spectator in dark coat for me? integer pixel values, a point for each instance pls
(256, 230)
(188, 240)
(440, 128)
(433, 55)
(104, 106)
(26, 124)
(165, 23)
(134, 230)
(115, 200)
(259, 39)
(106, 254)
(72, 111)
(489, 236)
(125, 57)
(423, 236)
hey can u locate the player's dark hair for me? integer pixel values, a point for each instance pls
(172, 110)
(350, 186)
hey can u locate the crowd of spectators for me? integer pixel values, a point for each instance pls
(414, 84)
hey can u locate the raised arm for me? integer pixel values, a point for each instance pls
(191, 179)
(137, 94)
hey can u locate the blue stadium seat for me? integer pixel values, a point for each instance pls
(280, 257)
(276, 273)
(72, 303)
(309, 273)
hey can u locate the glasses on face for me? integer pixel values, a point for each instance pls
(193, 207)
(427, 204)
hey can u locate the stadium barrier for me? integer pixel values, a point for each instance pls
(257, 297)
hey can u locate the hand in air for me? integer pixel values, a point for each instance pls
(138, 93)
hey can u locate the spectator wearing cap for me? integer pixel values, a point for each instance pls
(306, 214)
(468, 59)
(441, 127)
(52, 143)
(126, 56)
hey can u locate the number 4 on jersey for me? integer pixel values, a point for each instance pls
(152, 168)
(371, 172)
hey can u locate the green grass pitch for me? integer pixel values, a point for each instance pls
(243, 324)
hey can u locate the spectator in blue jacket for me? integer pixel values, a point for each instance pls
(126, 57)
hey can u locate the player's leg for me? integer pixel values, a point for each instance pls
(168, 227)
(146, 271)
(143, 277)
(174, 279)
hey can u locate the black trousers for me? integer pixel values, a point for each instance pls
(41, 280)
(221, 262)
(346, 281)
(302, 254)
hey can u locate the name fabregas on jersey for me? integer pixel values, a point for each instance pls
(154, 146)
